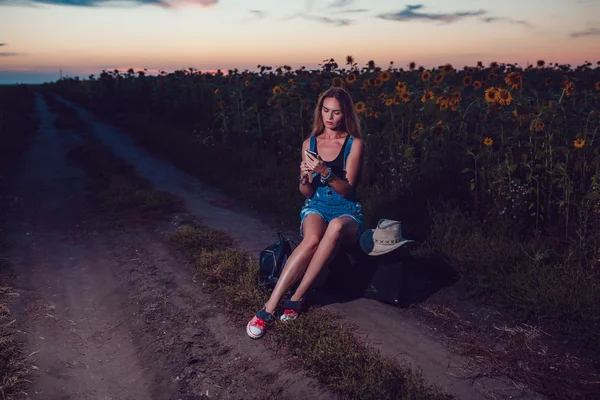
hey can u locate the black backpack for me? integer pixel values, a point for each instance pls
(272, 260)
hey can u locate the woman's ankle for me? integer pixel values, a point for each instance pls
(295, 299)
(269, 308)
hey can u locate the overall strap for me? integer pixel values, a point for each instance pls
(348, 148)
(313, 143)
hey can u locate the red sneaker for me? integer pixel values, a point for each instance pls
(257, 326)
(291, 310)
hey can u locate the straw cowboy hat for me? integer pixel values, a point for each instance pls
(385, 238)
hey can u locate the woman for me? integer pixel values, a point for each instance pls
(331, 214)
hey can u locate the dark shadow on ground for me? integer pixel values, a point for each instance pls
(395, 278)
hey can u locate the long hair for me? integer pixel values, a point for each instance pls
(349, 121)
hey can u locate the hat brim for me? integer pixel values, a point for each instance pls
(368, 246)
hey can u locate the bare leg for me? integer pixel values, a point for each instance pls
(339, 230)
(313, 229)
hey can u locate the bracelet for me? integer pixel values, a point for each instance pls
(324, 179)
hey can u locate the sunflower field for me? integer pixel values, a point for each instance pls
(506, 151)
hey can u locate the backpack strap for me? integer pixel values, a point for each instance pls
(348, 148)
(313, 143)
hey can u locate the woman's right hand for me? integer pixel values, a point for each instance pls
(305, 172)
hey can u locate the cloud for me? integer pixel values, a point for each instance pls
(410, 13)
(256, 15)
(2, 44)
(8, 54)
(340, 3)
(509, 20)
(353, 11)
(589, 32)
(97, 3)
(329, 21)
(324, 20)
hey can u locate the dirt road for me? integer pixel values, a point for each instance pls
(112, 314)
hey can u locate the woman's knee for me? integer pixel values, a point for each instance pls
(340, 227)
(310, 242)
(335, 229)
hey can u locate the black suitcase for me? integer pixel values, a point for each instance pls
(357, 274)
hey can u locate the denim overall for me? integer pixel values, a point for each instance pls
(328, 203)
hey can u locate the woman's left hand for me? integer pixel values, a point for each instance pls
(316, 164)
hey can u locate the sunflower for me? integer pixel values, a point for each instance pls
(504, 97)
(401, 86)
(488, 141)
(447, 69)
(382, 96)
(337, 82)
(247, 83)
(491, 95)
(349, 60)
(455, 100)
(492, 76)
(406, 96)
(569, 88)
(376, 114)
(369, 113)
(277, 90)
(418, 126)
(477, 84)
(360, 107)
(541, 63)
(579, 143)
(351, 78)
(385, 76)
(425, 75)
(598, 85)
(467, 80)
(427, 95)
(397, 98)
(389, 102)
(366, 83)
(438, 129)
(217, 92)
(272, 102)
(537, 125)
(479, 64)
(514, 80)
(443, 106)
(438, 78)
(412, 65)
(494, 65)
(378, 82)
(443, 100)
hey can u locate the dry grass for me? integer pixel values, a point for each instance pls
(116, 189)
(517, 352)
(323, 345)
(13, 366)
(525, 274)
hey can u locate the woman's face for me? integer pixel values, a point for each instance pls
(332, 113)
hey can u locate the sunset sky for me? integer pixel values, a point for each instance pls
(82, 37)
